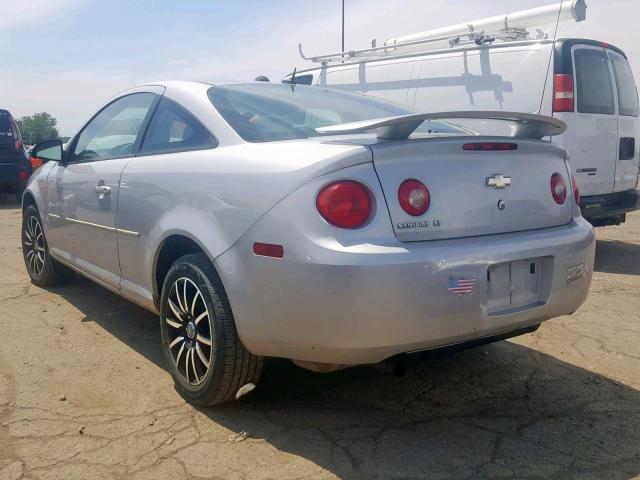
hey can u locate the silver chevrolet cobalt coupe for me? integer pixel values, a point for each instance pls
(262, 220)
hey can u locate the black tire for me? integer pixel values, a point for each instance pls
(230, 365)
(40, 266)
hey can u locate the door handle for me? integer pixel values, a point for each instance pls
(627, 148)
(102, 191)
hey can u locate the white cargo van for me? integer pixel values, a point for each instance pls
(586, 83)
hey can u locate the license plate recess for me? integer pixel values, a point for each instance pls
(517, 285)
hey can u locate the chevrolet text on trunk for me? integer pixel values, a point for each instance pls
(330, 228)
(507, 63)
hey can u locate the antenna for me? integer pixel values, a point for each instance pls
(343, 25)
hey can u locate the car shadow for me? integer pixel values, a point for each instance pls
(498, 410)
(613, 256)
(8, 202)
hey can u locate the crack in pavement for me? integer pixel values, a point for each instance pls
(531, 408)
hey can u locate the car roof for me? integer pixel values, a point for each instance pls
(182, 84)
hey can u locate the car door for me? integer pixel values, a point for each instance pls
(82, 191)
(628, 125)
(152, 184)
(593, 143)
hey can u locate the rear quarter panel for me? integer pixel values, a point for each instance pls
(211, 196)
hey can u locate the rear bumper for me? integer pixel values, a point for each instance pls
(348, 304)
(596, 207)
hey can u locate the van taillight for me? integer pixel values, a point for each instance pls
(563, 93)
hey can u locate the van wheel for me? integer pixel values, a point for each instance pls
(205, 356)
(40, 266)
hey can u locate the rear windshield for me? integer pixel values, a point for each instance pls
(6, 133)
(269, 112)
(627, 93)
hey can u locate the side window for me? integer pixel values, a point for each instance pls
(172, 129)
(627, 92)
(16, 133)
(114, 131)
(593, 81)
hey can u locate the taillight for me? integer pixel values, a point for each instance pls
(576, 189)
(36, 162)
(345, 204)
(490, 146)
(558, 188)
(414, 197)
(22, 175)
(563, 93)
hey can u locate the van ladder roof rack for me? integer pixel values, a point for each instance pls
(509, 27)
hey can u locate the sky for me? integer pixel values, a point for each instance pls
(67, 57)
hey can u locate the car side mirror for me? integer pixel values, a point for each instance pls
(51, 150)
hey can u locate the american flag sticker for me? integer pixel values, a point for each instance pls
(461, 285)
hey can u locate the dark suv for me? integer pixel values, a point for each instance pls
(15, 166)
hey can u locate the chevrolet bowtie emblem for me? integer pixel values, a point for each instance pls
(498, 181)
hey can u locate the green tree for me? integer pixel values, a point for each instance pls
(38, 128)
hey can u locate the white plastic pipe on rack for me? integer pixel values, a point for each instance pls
(569, 10)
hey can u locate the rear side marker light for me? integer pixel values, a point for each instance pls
(345, 204)
(268, 250)
(489, 147)
(563, 93)
(23, 175)
(414, 197)
(558, 188)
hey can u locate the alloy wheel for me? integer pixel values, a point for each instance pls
(34, 246)
(189, 330)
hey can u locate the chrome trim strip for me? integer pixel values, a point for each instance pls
(129, 233)
(89, 224)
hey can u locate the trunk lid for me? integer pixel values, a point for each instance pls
(462, 203)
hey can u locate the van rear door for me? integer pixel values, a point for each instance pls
(626, 173)
(592, 139)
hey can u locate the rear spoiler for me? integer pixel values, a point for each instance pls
(525, 125)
